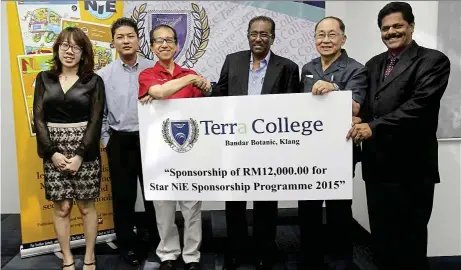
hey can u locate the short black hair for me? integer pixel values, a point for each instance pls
(342, 26)
(264, 19)
(124, 21)
(151, 34)
(393, 7)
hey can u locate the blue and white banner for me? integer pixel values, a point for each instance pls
(249, 148)
(210, 30)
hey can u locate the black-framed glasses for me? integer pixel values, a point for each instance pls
(160, 41)
(75, 48)
(262, 35)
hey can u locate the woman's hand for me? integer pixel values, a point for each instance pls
(74, 165)
(60, 161)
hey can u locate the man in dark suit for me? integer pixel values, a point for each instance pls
(334, 70)
(399, 143)
(254, 72)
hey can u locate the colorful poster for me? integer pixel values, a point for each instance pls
(100, 36)
(29, 67)
(40, 23)
(30, 43)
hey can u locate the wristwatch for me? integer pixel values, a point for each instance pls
(335, 86)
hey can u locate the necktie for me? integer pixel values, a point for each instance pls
(390, 66)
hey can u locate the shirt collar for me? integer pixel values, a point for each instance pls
(176, 71)
(399, 55)
(341, 61)
(136, 64)
(265, 60)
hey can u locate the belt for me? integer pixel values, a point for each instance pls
(113, 131)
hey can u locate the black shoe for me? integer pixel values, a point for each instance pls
(168, 265)
(345, 265)
(192, 266)
(230, 263)
(265, 264)
(304, 266)
(130, 257)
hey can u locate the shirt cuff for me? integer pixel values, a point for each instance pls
(105, 141)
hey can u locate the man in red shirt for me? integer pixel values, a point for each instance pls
(167, 80)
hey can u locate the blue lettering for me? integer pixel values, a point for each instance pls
(206, 126)
(259, 126)
(319, 124)
(254, 126)
(108, 7)
(221, 129)
(273, 129)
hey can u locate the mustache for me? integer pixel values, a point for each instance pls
(393, 36)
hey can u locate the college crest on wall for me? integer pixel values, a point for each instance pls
(191, 26)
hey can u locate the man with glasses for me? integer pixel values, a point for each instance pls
(255, 72)
(167, 80)
(334, 70)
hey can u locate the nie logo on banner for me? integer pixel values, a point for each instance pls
(180, 135)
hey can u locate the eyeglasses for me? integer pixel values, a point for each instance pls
(262, 35)
(65, 46)
(159, 41)
(332, 35)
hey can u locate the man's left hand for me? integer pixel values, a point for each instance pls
(359, 132)
(322, 87)
(146, 99)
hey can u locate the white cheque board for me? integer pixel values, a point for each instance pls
(249, 148)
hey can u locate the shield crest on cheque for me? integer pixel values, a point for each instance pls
(180, 135)
(180, 21)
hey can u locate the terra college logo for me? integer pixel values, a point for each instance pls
(180, 135)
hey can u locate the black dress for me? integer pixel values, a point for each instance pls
(69, 123)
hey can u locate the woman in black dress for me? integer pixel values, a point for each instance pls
(68, 109)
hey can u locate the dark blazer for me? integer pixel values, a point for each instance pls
(282, 75)
(345, 72)
(402, 112)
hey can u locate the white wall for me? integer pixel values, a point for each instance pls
(363, 43)
(9, 171)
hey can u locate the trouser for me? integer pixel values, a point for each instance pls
(169, 247)
(399, 214)
(338, 230)
(337, 241)
(124, 156)
(264, 227)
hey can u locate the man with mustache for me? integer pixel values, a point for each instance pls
(120, 138)
(399, 145)
(334, 70)
(167, 80)
(255, 72)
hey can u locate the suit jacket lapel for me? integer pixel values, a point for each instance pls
(402, 64)
(272, 72)
(243, 74)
